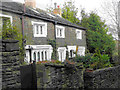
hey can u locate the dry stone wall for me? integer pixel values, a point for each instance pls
(59, 76)
(10, 64)
(103, 78)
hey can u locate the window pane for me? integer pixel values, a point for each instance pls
(37, 29)
(41, 29)
(60, 32)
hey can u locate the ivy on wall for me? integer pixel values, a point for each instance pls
(54, 45)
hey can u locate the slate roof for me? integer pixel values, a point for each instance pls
(18, 8)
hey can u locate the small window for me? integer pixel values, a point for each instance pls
(79, 34)
(71, 53)
(60, 32)
(39, 29)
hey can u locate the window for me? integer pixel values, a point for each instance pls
(60, 32)
(71, 53)
(39, 29)
(4, 20)
(79, 34)
(39, 52)
(71, 50)
(81, 51)
(6, 16)
(62, 53)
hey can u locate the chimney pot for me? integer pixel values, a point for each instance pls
(57, 11)
(55, 4)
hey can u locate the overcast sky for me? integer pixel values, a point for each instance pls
(87, 4)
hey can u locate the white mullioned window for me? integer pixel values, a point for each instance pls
(78, 34)
(38, 53)
(39, 29)
(62, 53)
(60, 31)
(7, 16)
(81, 50)
(3, 19)
(71, 50)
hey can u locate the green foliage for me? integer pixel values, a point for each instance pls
(83, 59)
(96, 34)
(69, 12)
(94, 61)
(8, 32)
(11, 32)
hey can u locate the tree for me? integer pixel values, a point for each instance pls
(69, 12)
(110, 12)
(96, 34)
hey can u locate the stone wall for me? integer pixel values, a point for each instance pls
(59, 76)
(10, 64)
(103, 78)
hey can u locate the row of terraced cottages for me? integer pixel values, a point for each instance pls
(39, 26)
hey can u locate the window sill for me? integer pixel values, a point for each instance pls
(40, 36)
(60, 37)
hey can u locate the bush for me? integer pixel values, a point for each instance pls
(94, 61)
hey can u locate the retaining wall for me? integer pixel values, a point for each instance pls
(10, 64)
(59, 76)
(103, 78)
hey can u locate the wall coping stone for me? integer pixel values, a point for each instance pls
(9, 41)
(94, 73)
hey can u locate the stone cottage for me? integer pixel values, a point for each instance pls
(39, 26)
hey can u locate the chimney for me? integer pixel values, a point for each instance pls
(57, 10)
(30, 3)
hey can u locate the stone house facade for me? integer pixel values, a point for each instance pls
(39, 26)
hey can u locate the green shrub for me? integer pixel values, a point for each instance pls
(94, 61)
(10, 31)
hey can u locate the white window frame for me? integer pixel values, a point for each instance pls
(71, 48)
(78, 36)
(7, 16)
(44, 24)
(39, 48)
(81, 51)
(58, 31)
(61, 50)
